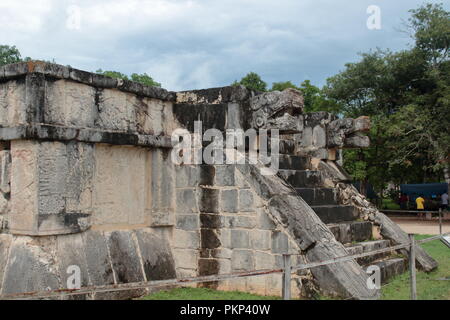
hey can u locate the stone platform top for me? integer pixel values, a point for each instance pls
(57, 71)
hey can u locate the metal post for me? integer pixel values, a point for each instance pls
(440, 221)
(287, 277)
(412, 267)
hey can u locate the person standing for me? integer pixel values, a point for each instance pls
(420, 203)
(444, 201)
(403, 201)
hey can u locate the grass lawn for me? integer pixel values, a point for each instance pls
(389, 204)
(429, 287)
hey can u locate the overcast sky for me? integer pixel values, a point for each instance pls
(192, 44)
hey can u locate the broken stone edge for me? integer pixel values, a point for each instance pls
(20, 69)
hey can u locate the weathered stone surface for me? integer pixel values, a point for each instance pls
(156, 256)
(186, 258)
(261, 239)
(229, 201)
(209, 200)
(5, 171)
(124, 257)
(97, 258)
(186, 239)
(242, 260)
(5, 241)
(187, 222)
(70, 251)
(210, 239)
(266, 108)
(119, 184)
(64, 72)
(241, 222)
(279, 242)
(349, 232)
(246, 200)
(265, 222)
(317, 242)
(214, 95)
(187, 176)
(240, 239)
(30, 266)
(186, 201)
(264, 260)
(224, 175)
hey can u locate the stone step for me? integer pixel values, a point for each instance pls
(290, 162)
(318, 196)
(351, 231)
(390, 268)
(302, 178)
(368, 246)
(336, 213)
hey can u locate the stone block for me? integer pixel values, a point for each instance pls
(212, 221)
(187, 176)
(186, 201)
(71, 254)
(246, 200)
(5, 242)
(185, 258)
(120, 185)
(264, 221)
(222, 253)
(71, 104)
(261, 239)
(242, 260)
(187, 222)
(279, 242)
(209, 200)
(124, 257)
(240, 239)
(224, 266)
(319, 138)
(225, 175)
(97, 258)
(186, 239)
(5, 171)
(208, 267)
(246, 222)
(156, 256)
(264, 260)
(224, 237)
(210, 239)
(229, 201)
(26, 256)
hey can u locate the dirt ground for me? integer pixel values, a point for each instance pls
(411, 225)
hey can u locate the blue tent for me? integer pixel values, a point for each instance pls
(426, 189)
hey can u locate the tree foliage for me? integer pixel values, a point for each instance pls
(9, 55)
(407, 95)
(252, 81)
(141, 78)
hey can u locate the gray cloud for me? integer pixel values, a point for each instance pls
(197, 44)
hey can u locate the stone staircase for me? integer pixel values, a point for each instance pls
(343, 220)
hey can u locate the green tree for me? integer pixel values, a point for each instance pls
(141, 78)
(9, 55)
(406, 94)
(283, 85)
(145, 79)
(252, 81)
